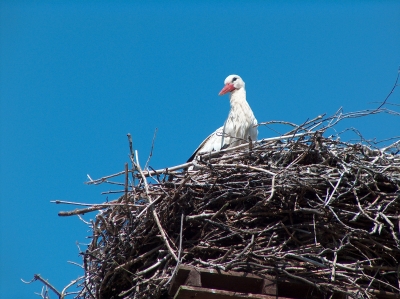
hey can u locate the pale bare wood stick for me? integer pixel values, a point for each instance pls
(334, 189)
(45, 282)
(281, 122)
(131, 157)
(146, 186)
(390, 93)
(74, 263)
(84, 211)
(130, 146)
(63, 292)
(79, 203)
(148, 207)
(94, 207)
(390, 146)
(126, 183)
(106, 204)
(240, 166)
(272, 190)
(200, 216)
(333, 274)
(101, 180)
(179, 252)
(151, 150)
(147, 173)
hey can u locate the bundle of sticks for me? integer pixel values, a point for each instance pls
(305, 208)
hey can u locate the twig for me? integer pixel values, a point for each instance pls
(390, 93)
(126, 183)
(334, 189)
(103, 179)
(94, 207)
(63, 292)
(151, 150)
(45, 282)
(333, 274)
(163, 234)
(132, 154)
(179, 252)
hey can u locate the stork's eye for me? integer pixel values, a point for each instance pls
(234, 79)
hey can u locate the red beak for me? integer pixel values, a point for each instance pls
(227, 88)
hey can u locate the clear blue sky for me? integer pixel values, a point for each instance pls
(76, 78)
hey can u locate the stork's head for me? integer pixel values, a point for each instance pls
(232, 83)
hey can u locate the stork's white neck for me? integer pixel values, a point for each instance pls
(237, 96)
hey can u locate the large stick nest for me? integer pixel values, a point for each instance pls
(310, 209)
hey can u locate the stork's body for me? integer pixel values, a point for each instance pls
(240, 124)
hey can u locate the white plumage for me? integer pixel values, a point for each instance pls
(240, 124)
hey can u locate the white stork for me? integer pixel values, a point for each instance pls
(240, 124)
